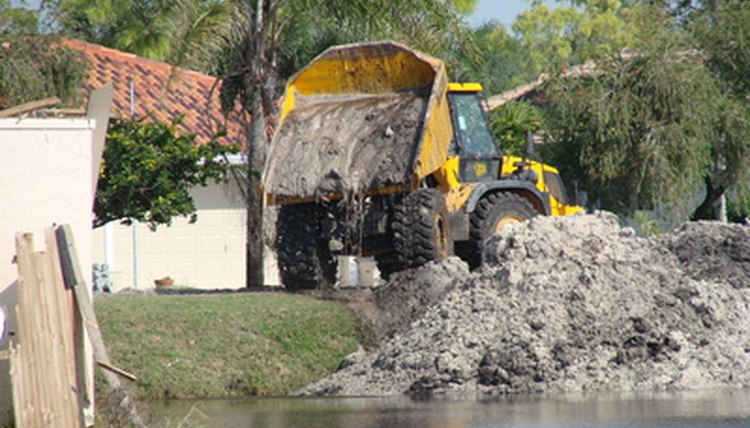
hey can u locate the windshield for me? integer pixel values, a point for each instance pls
(473, 134)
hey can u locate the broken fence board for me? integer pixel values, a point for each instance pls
(74, 280)
(25, 108)
(44, 389)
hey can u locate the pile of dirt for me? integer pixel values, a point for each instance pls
(412, 292)
(713, 251)
(566, 304)
(330, 144)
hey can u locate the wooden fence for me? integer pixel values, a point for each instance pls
(47, 391)
(52, 380)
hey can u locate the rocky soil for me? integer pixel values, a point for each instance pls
(330, 144)
(566, 304)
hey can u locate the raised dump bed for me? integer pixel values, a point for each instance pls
(356, 120)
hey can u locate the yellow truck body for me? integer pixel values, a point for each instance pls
(376, 153)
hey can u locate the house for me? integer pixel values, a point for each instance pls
(209, 253)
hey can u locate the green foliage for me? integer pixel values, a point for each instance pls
(638, 131)
(138, 26)
(561, 36)
(225, 345)
(738, 207)
(464, 6)
(723, 34)
(37, 67)
(498, 60)
(206, 34)
(148, 170)
(16, 20)
(511, 125)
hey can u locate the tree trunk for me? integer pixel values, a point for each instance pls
(254, 222)
(256, 158)
(713, 193)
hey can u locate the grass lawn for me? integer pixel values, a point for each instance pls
(237, 344)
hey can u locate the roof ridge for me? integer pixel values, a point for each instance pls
(83, 45)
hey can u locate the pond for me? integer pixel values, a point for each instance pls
(662, 409)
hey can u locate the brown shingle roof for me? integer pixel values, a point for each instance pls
(154, 93)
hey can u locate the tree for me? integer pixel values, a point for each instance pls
(16, 20)
(637, 132)
(498, 60)
(561, 36)
(32, 68)
(138, 26)
(148, 170)
(511, 125)
(721, 30)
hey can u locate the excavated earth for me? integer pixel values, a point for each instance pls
(565, 304)
(345, 142)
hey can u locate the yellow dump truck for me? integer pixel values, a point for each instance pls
(378, 154)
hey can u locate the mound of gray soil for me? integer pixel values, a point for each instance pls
(565, 304)
(410, 293)
(330, 144)
(713, 251)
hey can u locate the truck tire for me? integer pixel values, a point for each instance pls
(421, 231)
(304, 262)
(493, 212)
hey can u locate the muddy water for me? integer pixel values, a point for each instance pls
(694, 409)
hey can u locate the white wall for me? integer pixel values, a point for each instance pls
(45, 179)
(208, 254)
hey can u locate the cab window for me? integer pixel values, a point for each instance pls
(473, 135)
(555, 186)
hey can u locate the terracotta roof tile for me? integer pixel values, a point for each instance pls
(186, 94)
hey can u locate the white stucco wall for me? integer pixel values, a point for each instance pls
(45, 179)
(207, 254)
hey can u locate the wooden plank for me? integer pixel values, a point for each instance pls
(25, 108)
(63, 111)
(74, 280)
(62, 308)
(44, 387)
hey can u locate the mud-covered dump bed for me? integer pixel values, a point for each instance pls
(355, 120)
(331, 144)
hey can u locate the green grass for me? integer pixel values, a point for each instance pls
(225, 345)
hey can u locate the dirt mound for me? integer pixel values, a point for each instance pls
(713, 251)
(565, 304)
(410, 293)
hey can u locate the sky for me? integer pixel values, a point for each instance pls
(504, 11)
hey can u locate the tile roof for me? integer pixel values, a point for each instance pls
(160, 91)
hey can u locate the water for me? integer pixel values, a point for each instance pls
(680, 409)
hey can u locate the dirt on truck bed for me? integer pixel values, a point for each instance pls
(569, 304)
(333, 143)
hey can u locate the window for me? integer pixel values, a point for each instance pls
(555, 186)
(473, 134)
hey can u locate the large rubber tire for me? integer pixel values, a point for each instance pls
(303, 259)
(421, 231)
(493, 212)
